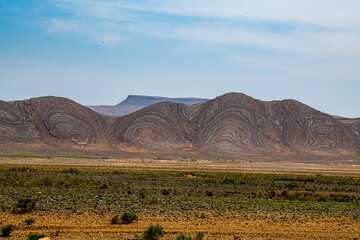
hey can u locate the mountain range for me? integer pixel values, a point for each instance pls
(232, 124)
(136, 102)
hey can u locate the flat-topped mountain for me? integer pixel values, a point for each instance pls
(135, 102)
(233, 124)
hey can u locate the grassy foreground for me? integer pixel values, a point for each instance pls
(220, 204)
(42, 156)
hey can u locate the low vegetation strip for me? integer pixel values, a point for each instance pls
(128, 197)
(150, 191)
(43, 156)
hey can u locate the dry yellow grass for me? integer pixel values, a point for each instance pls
(92, 226)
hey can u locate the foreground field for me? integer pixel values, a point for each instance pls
(76, 198)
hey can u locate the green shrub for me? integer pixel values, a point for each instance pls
(165, 192)
(6, 230)
(71, 170)
(229, 180)
(24, 205)
(200, 236)
(115, 219)
(47, 181)
(292, 185)
(142, 195)
(153, 232)
(127, 217)
(209, 194)
(183, 237)
(271, 194)
(35, 236)
(29, 221)
(3, 207)
(284, 193)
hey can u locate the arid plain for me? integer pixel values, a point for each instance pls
(224, 199)
(233, 167)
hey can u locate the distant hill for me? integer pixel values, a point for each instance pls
(233, 123)
(136, 102)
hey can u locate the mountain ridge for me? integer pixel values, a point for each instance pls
(233, 123)
(135, 102)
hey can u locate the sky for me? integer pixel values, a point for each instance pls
(99, 51)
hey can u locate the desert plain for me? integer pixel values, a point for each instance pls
(76, 198)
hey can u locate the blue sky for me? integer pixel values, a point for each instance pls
(100, 51)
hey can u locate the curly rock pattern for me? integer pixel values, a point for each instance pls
(232, 123)
(13, 126)
(160, 125)
(60, 120)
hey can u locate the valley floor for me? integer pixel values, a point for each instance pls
(76, 198)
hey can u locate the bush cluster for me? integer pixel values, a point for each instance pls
(24, 205)
(35, 236)
(29, 221)
(6, 230)
(125, 218)
(199, 236)
(153, 232)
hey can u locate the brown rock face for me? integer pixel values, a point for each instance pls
(231, 124)
(160, 125)
(52, 120)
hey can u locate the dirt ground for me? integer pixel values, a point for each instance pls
(97, 226)
(193, 165)
(92, 226)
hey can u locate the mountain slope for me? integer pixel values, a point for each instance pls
(136, 102)
(52, 120)
(233, 124)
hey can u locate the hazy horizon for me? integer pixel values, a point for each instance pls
(99, 52)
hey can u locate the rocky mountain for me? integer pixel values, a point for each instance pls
(233, 124)
(136, 102)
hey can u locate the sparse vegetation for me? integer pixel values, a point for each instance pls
(6, 230)
(29, 221)
(200, 236)
(114, 219)
(35, 236)
(154, 232)
(198, 195)
(209, 193)
(127, 217)
(71, 170)
(183, 237)
(165, 192)
(24, 205)
(43, 156)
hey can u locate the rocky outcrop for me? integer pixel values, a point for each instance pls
(230, 124)
(52, 120)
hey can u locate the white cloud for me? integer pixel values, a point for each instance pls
(303, 69)
(309, 39)
(106, 10)
(331, 27)
(326, 13)
(102, 32)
